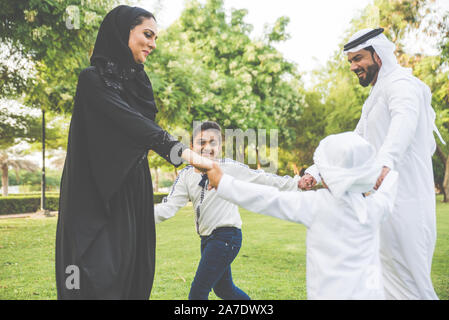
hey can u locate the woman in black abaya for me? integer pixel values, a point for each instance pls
(105, 241)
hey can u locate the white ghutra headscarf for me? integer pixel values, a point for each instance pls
(347, 164)
(383, 47)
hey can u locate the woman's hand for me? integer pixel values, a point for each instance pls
(199, 162)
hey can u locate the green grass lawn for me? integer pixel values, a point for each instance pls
(270, 265)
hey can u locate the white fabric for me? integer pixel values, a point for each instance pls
(342, 254)
(347, 165)
(211, 211)
(313, 171)
(398, 120)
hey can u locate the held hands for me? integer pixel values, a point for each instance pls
(306, 182)
(201, 163)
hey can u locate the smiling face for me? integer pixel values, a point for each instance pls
(142, 39)
(207, 143)
(365, 65)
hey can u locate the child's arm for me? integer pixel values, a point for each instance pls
(287, 205)
(176, 199)
(243, 172)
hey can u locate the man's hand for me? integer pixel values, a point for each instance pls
(306, 182)
(381, 178)
(214, 176)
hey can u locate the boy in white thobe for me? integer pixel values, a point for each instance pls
(398, 120)
(342, 237)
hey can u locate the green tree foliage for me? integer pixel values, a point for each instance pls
(19, 125)
(341, 95)
(207, 67)
(48, 43)
(13, 72)
(58, 37)
(16, 126)
(434, 71)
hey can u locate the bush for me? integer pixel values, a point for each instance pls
(36, 188)
(25, 203)
(165, 183)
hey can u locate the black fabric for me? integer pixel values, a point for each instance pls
(363, 39)
(106, 214)
(204, 180)
(113, 35)
(114, 60)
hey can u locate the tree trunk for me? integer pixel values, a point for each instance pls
(43, 182)
(446, 181)
(445, 160)
(156, 180)
(257, 157)
(5, 180)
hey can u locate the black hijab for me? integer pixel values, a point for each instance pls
(115, 62)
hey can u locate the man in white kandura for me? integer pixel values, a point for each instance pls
(398, 120)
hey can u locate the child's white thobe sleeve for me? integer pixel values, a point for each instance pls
(245, 173)
(292, 206)
(176, 199)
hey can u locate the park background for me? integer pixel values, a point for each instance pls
(211, 63)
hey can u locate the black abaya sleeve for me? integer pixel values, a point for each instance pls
(144, 131)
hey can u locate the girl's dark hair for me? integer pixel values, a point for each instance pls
(139, 19)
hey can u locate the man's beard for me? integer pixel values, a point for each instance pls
(370, 74)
